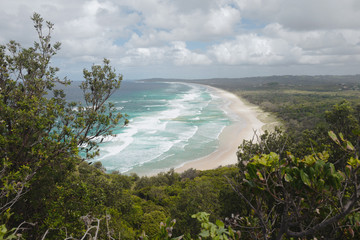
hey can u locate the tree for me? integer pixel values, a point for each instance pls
(342, 119)
(299, 197)
(42, 135)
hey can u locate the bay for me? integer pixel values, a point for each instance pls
(169, 124)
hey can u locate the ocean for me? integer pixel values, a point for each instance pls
(170, 124)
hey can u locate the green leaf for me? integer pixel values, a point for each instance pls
(333, 136)
(354, 162)
(324, 156)
(305, 178)
(205, 234)
(290, 156)
(341, 136)
(220, 223)
(273, 158)
(263, 160)
(332, 168)
(258, 173)
(288, 177)
(309, 160)
(349, 146)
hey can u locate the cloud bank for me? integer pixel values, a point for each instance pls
(196, 39)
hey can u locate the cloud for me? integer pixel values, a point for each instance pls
(175, 53)
(253, 49)
(303, 15)
(276, 35)
(319, 46)
(183, 56)
(174, 24)
(278, 45)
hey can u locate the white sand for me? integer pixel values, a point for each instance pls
(232, 136)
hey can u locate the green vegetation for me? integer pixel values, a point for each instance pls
(313, 195)
(299, 101)
(300, 182)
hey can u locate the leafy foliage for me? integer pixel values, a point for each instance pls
(215, 231)
(40, 131)
(300, 196)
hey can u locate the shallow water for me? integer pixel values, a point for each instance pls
(170, 124)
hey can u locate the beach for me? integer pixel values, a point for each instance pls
(178, 125)
(246, 122)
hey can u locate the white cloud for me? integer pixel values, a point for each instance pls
(319, 46)
(173, 24)
(183, 56)
(278, 35)
(305, 14)
(176, 53)
(254, 49)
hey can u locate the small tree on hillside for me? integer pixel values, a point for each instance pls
(41, 133)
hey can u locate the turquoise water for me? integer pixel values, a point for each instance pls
(170, 124)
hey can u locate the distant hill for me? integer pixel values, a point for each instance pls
(318, 82)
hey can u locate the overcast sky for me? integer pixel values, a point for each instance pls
(195, 38)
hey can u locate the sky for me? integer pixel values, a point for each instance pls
(195, 38)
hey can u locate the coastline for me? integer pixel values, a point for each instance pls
(247, 120)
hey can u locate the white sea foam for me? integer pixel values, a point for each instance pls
(195, 119)
(144, 124)
(189, 135)
(190, 119)
(118, 143)
(190, 104)
(154, 106)
(150, 153)
(169, 114)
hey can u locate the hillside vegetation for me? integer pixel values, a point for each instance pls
(299, 182)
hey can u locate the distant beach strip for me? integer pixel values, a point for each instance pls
(247, 120)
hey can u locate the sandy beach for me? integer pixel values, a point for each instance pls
(245, 122)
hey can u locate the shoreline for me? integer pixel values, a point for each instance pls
(234, 134)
